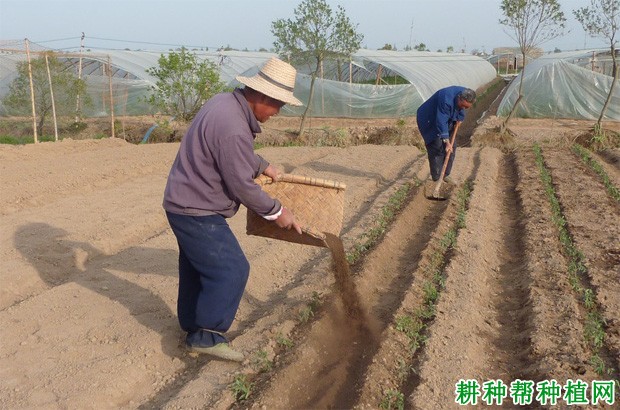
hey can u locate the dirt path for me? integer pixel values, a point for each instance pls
(88, 273)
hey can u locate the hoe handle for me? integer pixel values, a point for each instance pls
(445, 162)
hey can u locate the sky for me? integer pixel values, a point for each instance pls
(246, 24)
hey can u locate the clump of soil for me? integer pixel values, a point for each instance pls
(493, 138)
(605, 140)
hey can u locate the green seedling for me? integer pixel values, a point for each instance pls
(241, 387)
(283, 341)
(392, 399)
(261, 362)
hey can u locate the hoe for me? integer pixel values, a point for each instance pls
(437, 194)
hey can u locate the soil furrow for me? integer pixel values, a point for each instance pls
(482, 326)
(558, 346)
(600, 248)
(611, 167)
(384, 278)
(326, 369)
(393, 360)
(512, 304)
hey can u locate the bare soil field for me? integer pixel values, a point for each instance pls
(477, 287)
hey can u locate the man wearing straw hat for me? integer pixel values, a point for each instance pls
(213, 174)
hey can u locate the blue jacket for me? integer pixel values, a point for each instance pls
(437, 115)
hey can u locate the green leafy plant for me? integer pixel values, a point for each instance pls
(532, 22)
(284, 341)
(261, 362)
(315, 33)
(307, 312)
(66, 88)
(184, 83)
(392, 399)
(241, 387)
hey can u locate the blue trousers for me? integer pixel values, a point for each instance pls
(213, 272)
(436, 151)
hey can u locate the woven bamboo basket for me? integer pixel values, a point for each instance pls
(318, 206)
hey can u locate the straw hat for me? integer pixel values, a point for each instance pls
(275, 79)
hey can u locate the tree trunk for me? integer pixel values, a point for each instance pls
(305, 114)
(504, 125)
(614, 73)
(40, 125)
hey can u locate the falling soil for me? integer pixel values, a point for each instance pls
(344, 282)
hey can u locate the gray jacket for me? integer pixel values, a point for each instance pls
(214, 170)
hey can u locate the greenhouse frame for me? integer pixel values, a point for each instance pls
(559, 85)
(565, 85)
(130, 82)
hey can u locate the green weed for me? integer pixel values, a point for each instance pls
(241, 387)
(307, 312)
(284, 341)
(261, 362)
(392, 399)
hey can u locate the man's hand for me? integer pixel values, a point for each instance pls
(287, 220)
(448, 146)
(272, 172)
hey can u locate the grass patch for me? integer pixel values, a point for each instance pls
(22, 140)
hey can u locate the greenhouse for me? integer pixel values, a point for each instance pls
(364, 87)
(423, 72)
(565, 85)
(128, 77)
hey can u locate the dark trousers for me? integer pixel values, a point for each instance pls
(213, 272)
(436, 156)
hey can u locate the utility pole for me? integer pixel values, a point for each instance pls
(410, 34)
(34, 113)
(78, 111)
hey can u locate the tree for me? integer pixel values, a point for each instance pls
(314, 35)
(602, 19)
(66, 86)
(450, 49)
(533, 22)
(420, 47)
(183, 84)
